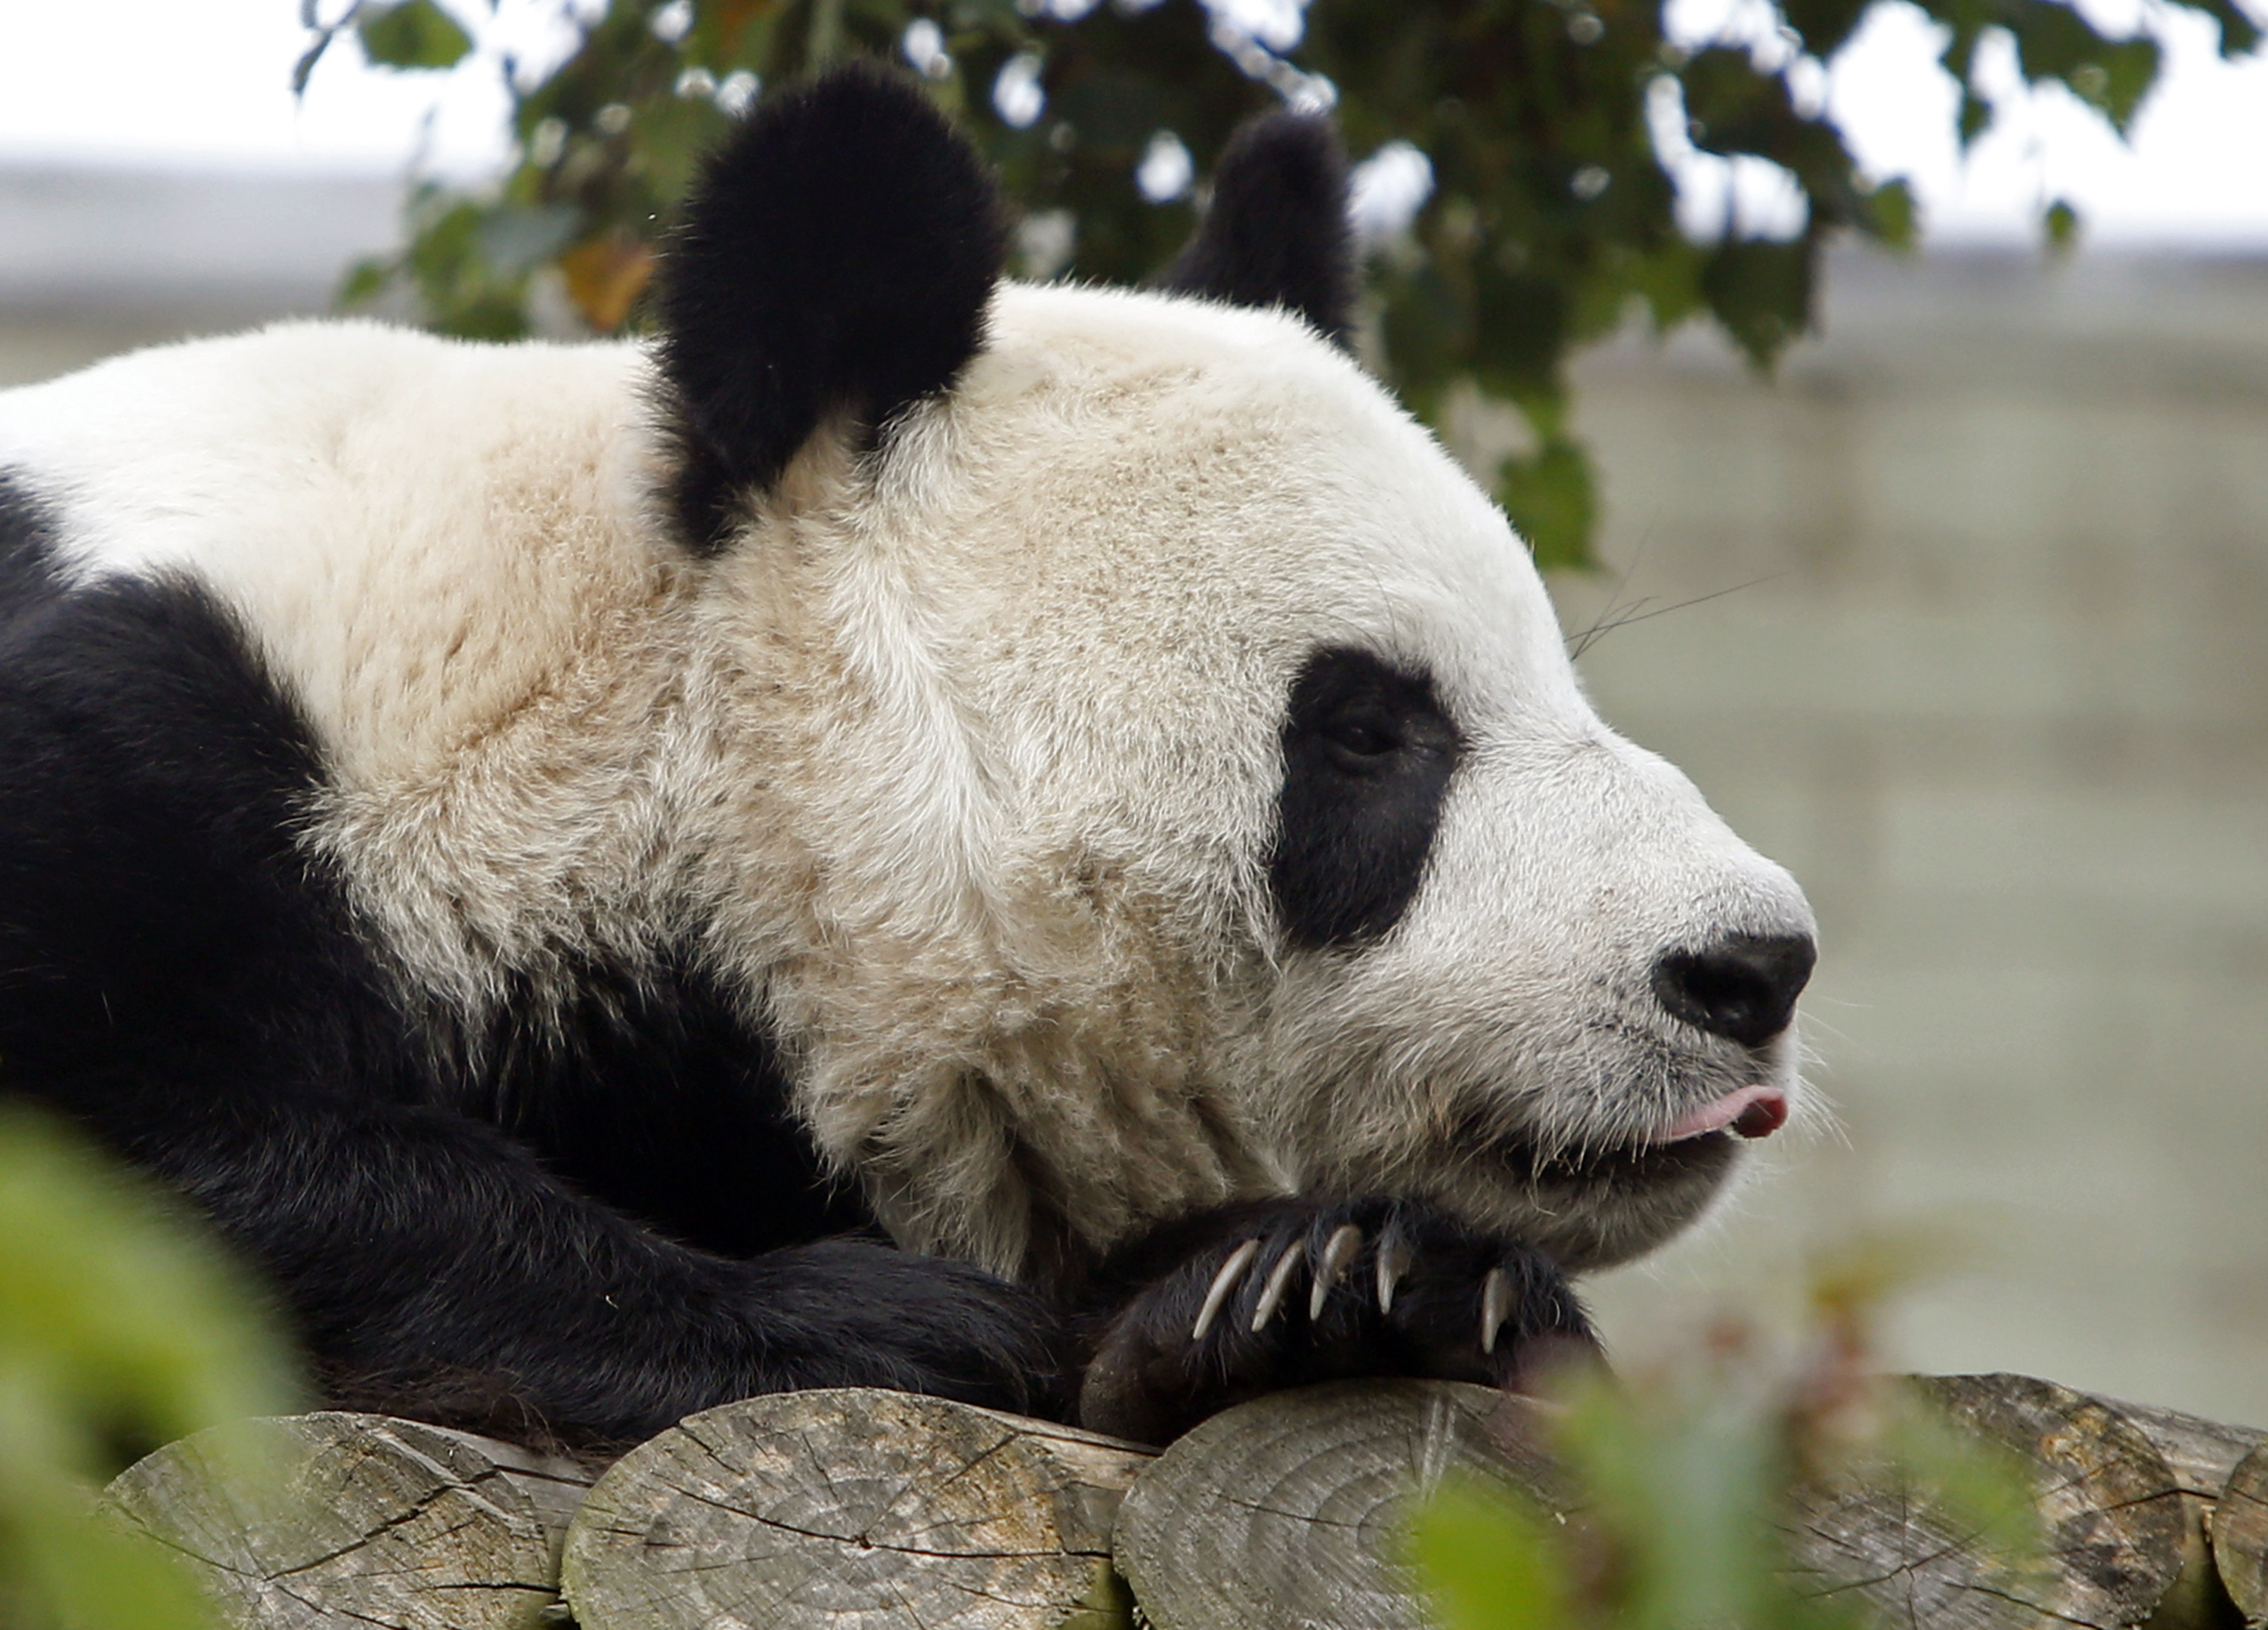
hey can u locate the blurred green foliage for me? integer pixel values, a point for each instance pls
(121, 1329)
(1546, 124)
(1682, 1478)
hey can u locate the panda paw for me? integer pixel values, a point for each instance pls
(1251, 1299)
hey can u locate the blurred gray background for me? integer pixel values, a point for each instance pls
(1980, 650)
(1996, 688)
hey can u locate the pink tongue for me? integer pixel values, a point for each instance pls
(1751, 1112)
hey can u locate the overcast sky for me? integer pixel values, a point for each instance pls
(206, 82)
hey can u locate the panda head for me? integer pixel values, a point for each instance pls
(1162, 778)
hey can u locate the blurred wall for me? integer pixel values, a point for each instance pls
(1991, 677)
(93, 261)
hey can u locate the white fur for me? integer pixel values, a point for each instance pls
(966, 756)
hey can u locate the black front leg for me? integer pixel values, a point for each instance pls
(1222, 1307)
(433, 1267)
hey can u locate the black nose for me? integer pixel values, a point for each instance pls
(1744, 987)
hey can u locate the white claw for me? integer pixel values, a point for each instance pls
(1395, 1254)
(1338, 1250)
(1496, 1307)
(1280, 1280)
(1223, 1283)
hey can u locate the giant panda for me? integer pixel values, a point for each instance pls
(1035, 844)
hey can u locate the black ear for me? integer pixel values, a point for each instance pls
(837, 256)
(1277, 234)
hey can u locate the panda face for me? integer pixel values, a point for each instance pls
(1265, 838)
(1185, 786)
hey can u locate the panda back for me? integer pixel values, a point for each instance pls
(413, 532)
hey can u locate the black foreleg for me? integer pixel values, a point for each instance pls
(428, 1259)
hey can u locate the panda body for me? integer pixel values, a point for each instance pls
(1125, 797)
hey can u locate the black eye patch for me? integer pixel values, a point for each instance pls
(1367, 755)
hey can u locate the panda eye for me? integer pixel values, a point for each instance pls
(1365, 735)
(1361, 722)
(1368, 751)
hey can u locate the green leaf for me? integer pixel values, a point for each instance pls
(413, 33)
(119, 1322)
(1670, 282)
(90, 1575)
(2239, 33)
(1825, 24)
(1761, 292)
(2130, 70)
(1486, 1563)
(1975, 117)
(2053, 41)
(1551, 497)
(2059, 225)
(364, 281)
(1521, 327)
(1889, 215)
(1727, 97)
(115, 1299)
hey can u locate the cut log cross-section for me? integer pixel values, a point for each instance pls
(2240, 1536)
(2117, 1521)
(854, 1509)
(1285, 1513)
(2204, 1456)
(354, 1521)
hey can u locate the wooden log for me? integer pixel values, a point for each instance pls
(854, 1507)
(2239, 1531)
(2203, 1455)
(2200, 1453)
(1281, 1513)
(2110, 1510)
(1286, 1511)
(886, 1509)
(361, 1520)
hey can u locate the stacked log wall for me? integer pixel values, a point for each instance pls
(860, 1509)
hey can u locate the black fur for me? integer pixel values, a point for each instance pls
(180, 974)
(151, 897)
(1277, 230)
(652, 1093)
(1150, 1378)
(837, 257)
(1367, 756)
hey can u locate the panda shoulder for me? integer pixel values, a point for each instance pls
(300, 374)
(151, 458)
